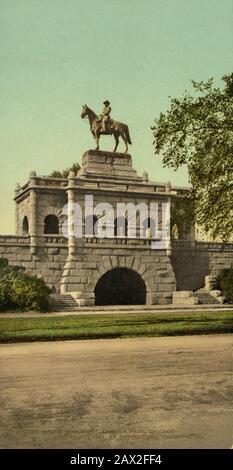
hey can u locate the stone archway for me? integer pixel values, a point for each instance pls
(51, 224)
(120, 286)
(25, 226)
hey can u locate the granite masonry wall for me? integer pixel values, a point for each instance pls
(184, 269)
(93, 258)
(48, 262)
(193, 261)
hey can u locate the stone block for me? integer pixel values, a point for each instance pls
(165, 295)
(81, 272)
(89, 264)
(101, 251)
(11, 257)
(61, 258)
(74, 264)
(166, 287)
(151, 267)
(24, 257)
(182, 294)
(121, 261)
(63, 251)
(53, 251)
(142, 269)
(73, 287)
(114, 261)
(167, 280)
(161, 300)
(147, 258)
(119, 251)
(30, 265)
(89, 302)
(129, 261)
(76, 294)
(136, 264)
(176, 300)
(54, 265)
(83, 295)
(106, 262)
(85, 302)
(215, 293)
(162, 266)
(73, 279)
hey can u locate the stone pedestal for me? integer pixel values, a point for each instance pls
(108, 164)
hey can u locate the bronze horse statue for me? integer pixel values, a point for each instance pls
(118, 129)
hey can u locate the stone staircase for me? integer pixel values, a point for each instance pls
(64, 303)
(204, 297)
(201, 296)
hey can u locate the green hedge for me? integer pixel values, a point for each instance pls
(20, 291)
(224, 282)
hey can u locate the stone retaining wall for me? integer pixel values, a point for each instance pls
(186, 267)
(193, 261)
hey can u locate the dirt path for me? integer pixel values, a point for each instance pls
(170, 392)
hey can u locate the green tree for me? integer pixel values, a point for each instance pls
(197, 131)
(182, 213)
(65, 173)
(224, 282)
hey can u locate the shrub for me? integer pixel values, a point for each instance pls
(30, 293)
(22, 291)
(65, 173)
(6, 281)
(224, 282)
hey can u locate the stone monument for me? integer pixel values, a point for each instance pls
(121, 269)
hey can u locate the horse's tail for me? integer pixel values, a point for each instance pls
(127, 134)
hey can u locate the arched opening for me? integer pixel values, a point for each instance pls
(51, 224)
(120, 286)
(121, 227)
(91, 225)
(149, 228)
(25, 226)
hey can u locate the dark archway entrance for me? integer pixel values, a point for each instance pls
(51, 224)
(25, 226)
(120, 286)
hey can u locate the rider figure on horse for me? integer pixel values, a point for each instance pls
(105, 117)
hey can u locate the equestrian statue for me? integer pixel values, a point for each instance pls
(104, 125)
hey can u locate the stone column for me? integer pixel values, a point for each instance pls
(70, 214)
(33, 210)
(169, 246)
(18, 229)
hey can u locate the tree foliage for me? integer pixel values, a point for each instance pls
(65, 173)
(224, 282)
(197, 131)
(182, 213)
(21, 291)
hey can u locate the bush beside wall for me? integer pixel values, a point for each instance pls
(20, 291)
(224, 282)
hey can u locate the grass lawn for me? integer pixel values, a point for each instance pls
(113, 326)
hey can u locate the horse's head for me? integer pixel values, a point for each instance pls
(84, 111)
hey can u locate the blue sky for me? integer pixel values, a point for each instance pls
(59, 54)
